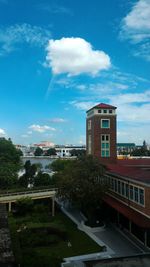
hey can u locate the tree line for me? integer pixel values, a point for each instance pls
(80, 182)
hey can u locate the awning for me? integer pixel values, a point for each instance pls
(128, 212)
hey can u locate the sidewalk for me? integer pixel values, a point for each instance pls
(117, 243)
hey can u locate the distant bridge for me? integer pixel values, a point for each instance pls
(33, 194)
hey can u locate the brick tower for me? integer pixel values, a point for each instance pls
(101, 133)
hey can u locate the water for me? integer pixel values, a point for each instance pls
(43, 160)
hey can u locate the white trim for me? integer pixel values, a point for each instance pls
(127, 179)
(147, 216)
(108, 123)
(128, 197)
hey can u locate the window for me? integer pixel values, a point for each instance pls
(105, 111)
(99, 111)
(105, 123)
(119, 189)
(136, 194)
(115, 185)
(105, 145)
(89, 124)
(91, 112)
(110, 111)
(89, 144)
(122, 189)
(126, 190)
(131, 192)
(141, 196)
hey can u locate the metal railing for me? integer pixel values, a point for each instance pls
(28, 192)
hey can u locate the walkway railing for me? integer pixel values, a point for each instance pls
(27, 192)
(34, 194)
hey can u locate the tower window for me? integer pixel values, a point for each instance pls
(105, 111)
(89, 144)
(99, 111)
(110, 111)
(105, 123)
(105, 145)
(89, 125)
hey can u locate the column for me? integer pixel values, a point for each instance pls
(145, 238)
(130, 225)
(9, 206)
(53, 206)
(118, 218)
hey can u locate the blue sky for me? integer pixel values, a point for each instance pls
(58, 58)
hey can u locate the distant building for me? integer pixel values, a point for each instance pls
(65, 151)
(125, 148)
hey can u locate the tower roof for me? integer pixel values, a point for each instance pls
(103, 105)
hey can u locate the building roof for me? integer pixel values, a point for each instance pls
(139, 260)
(136, 169)
(103, 105)
(125, 144)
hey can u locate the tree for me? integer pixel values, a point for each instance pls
(59, 165)
(30, 171)
(51, 152)
(10, 163)
(43, 179)
(24, 205)
(38, 152)
(82, 183)
(78, 152)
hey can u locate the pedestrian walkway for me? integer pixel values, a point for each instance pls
(116, 242)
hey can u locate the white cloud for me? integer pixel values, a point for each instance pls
(22, 33)
(54, 9)
(136, 25)
(83, 105)
(2, 132)
(75, 56)
(29, 132)
(41, 129)
(135, 134)
(57, 120)
(136, 28)
(24, 136)
(131, 98)
(133, 107)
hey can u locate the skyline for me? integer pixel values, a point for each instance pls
(60, 58)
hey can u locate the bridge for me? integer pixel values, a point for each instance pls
(33, 194)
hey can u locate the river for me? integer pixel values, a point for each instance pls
(43, 160)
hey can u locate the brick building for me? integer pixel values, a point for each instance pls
(127, 203)
(101, 132)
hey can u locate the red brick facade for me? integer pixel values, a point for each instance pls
(96, 131)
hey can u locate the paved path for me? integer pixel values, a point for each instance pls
(117, 243)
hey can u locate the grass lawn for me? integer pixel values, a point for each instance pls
(34, 246)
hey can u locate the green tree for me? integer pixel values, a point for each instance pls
(27, 177)
(78, 152)
(43, 179)
(51, 152)
(38, 166)
(59, 165)
(10, 163)
(24, 205)
(38, 152)
(82, 183)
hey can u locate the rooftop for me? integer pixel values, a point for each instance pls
(134, 261)
(103, 105)
(136, 169)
